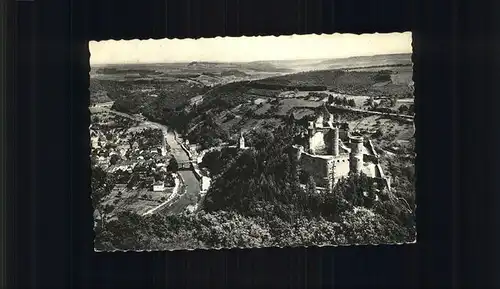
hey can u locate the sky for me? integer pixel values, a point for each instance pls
(246, 49)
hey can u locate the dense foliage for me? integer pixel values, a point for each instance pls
(257, 200)
(349, 82)
(208, 133)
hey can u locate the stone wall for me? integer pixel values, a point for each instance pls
(341, 166)
(316, 166)
(371, 148)
(317, 142)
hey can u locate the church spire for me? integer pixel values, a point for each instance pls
(242, 140)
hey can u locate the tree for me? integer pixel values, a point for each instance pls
(352, 103)
(403, 109)
(393, 101)
(173, 166)
(311, 186)
(101, 185)
(330, 99)
(378, 134)
(114, 159)
(370, 102)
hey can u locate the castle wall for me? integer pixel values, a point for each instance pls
(341, 166)
(318, 167)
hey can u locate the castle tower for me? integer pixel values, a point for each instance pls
(356, 157)
(335, 141)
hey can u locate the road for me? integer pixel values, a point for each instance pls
(174, 193)
(406, 117)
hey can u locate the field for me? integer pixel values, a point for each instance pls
(286, 105)
(392, 131)
(137, 201)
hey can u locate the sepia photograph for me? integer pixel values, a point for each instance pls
(251, 142)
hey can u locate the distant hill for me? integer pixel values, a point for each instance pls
(368, 61)
(369, 83)
(339, 63)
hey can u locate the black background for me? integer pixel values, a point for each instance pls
(50, 244)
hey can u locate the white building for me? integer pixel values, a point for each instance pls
(158, 187)
(205, 183)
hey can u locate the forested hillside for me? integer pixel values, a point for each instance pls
(256, 201)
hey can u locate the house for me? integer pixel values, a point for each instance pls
(148, 181)
(102, 160)
(124, 166)
(158, 187)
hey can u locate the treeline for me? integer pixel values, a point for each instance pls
(159, 107)
(346, 82)
(126, 71)
(275, 86)
(226, 96)
(382, 76)
(334, 99)
(233, 72)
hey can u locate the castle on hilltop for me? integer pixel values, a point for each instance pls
(330, 152)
